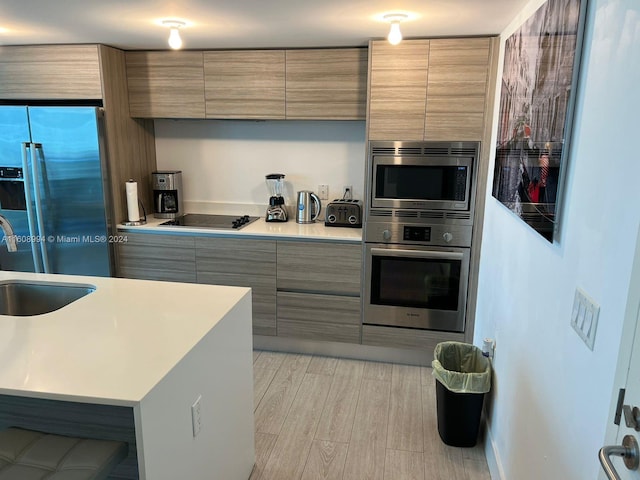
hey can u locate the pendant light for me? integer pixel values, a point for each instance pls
(175, 41)
(395, 35)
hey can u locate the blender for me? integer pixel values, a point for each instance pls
(276, 211)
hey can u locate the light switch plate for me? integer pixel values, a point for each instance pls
(584, 317)
(323, 192)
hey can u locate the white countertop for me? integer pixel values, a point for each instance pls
(259, 228)
(113, 345)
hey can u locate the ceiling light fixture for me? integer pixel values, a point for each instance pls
(175, 41)
(395, 35)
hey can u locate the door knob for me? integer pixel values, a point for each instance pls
(628, 451)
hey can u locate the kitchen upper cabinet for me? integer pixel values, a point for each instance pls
(457, 88)
(326, 84)
(50, 72)
(245, 84)
(157, 257)
(429, 89)
(242, 263)
(166, 84)
(397, 89)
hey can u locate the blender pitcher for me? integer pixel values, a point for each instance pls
(276, 211)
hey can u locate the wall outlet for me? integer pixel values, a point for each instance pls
(584, 317)
(196, 416)
(323, 192)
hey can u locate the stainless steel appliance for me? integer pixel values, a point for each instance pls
(344, 213)
(53, 190)
(421, 175)
(196, 220)
(418, 230)
(308, 207)
(276, 211)
(167, 194)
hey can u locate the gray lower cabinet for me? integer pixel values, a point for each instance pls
(157, 257)
(320, 267)
(242, 263)
(319, 317)
(319, 290)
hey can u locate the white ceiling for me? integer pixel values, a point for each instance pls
(133, 24)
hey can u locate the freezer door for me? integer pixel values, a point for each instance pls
(14, 133)
(68, 172)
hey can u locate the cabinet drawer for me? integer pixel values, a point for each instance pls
(319, 317)
(239, 256)
(314, 308)
(157, 257)
(318, 267)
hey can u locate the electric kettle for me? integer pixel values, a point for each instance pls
(308, 207)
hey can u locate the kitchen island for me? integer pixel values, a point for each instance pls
(135, 356)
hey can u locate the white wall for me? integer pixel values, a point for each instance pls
(551, 397)
(225, 162)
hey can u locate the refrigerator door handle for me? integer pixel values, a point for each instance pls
(31, 214)
(42, 237)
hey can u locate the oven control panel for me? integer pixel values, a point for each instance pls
(416, 234)
(442, 235)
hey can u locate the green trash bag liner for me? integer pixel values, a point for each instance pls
(461, 367)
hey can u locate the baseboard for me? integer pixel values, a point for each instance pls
(493, 456)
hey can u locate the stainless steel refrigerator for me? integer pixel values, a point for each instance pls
(53, 190)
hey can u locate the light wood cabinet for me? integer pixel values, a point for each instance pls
(457, 88)
(157, 257)
(245, 84)
(166, 84)
(326, 84)
(319, 267)
(50, 72)
(429, 89)
(87, 72)
(242, 263)
(397, 89)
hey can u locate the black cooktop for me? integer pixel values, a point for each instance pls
(196, 220)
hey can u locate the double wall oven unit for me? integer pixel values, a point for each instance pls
(417, 233)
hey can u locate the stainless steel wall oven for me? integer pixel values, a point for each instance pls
(417, 231)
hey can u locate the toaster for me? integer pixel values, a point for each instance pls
(344, 213)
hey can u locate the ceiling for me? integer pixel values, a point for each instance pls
(134, 24)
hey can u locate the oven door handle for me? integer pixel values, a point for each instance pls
(384, 252)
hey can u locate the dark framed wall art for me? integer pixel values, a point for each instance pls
(537, 95)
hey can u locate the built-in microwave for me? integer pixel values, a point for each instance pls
(421, 175)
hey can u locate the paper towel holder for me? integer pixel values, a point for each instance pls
(143, 219)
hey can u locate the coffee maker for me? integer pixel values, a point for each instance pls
(167, 194)
(276, 211)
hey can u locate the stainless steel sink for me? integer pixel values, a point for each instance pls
(24, 298)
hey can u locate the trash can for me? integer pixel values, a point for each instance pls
(463, 376)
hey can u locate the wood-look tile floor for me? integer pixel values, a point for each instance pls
(321, 418)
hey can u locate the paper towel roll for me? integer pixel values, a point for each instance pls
(133, 212)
